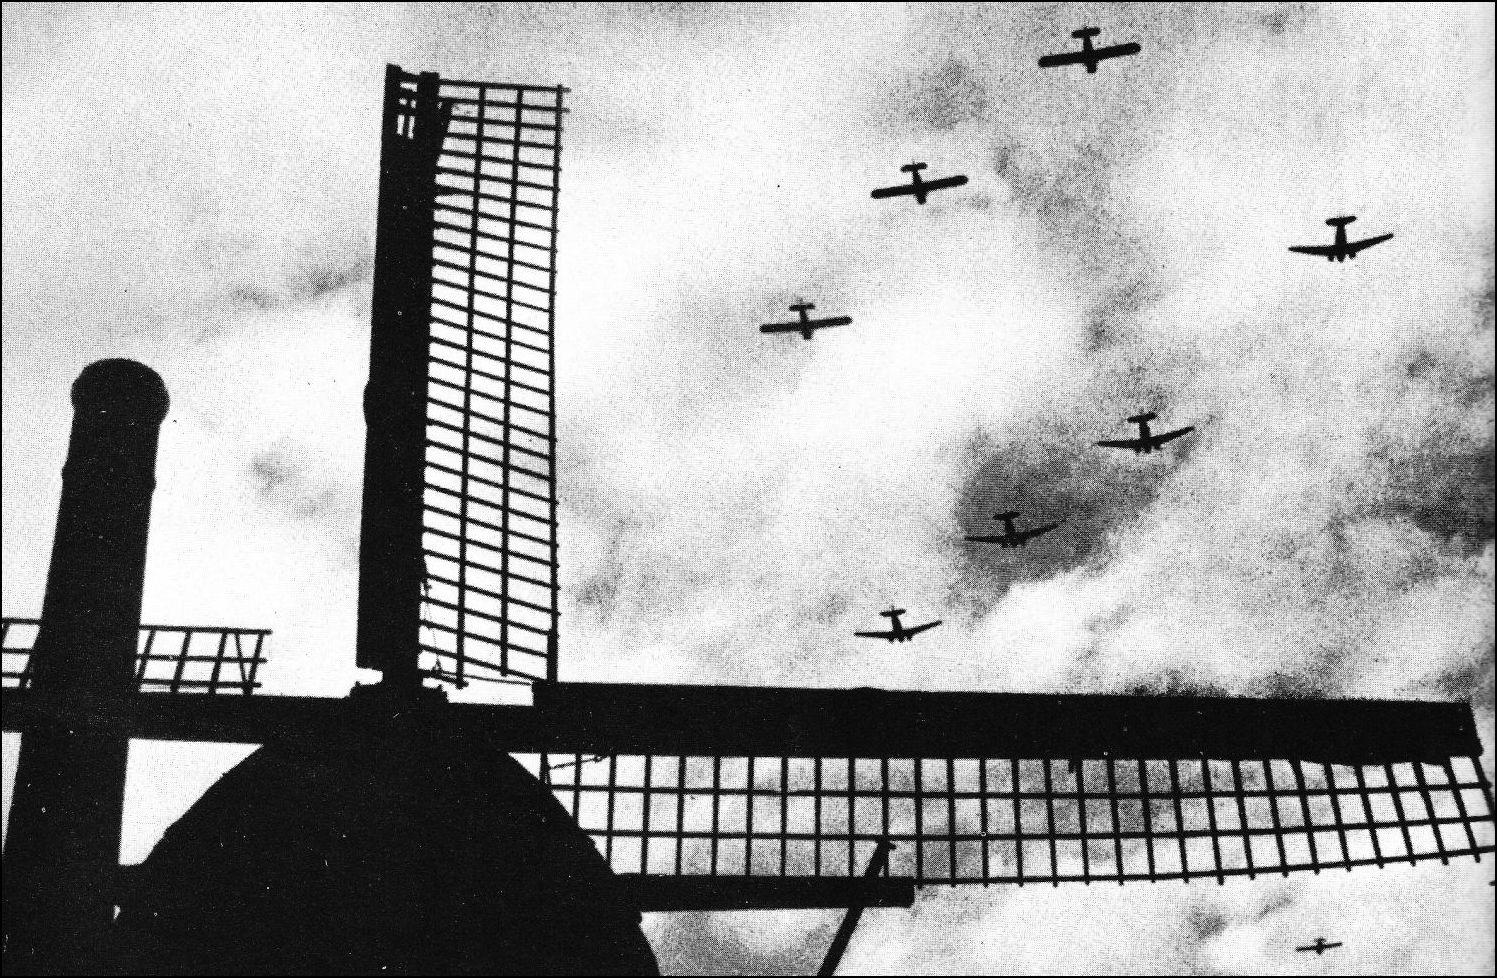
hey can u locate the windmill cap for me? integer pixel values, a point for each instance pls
(124, 389)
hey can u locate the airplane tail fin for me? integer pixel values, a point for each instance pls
(1340, 222)
(802, 305)
(911, 167)
(892, 612)
(1086, 32)
(1141, 418)
(1010, 515)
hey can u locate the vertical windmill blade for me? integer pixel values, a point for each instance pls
(477, 170)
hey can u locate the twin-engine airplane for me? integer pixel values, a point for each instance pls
(1010, 537)
(1341, 249)
(807, 325)
(1319, 947)
(897, 632)
(919, 188)
(1146, 441)
(1088, 55)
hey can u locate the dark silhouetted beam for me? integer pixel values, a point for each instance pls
(660, 893)
(764, 721)
(700, 721)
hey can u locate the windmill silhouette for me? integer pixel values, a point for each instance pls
(349, 841)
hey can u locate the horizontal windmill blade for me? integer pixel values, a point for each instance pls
(994, 788)
(784, 790)
(169, 658)
(1014, 820)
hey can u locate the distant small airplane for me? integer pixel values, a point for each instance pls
(1342, 249)
(897, 632)
(1010, 537)
(1146, 441)
(806, 325)
(920, 188)
(579, 762)
(1320, 946)
(1088, 55)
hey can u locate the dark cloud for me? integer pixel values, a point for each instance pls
(1446, 495)
(1054, 473)
(303, 280)
(1287, 18)
(1204, 923)
(708, 944)
(285, 479)
(947, 97)
(1470, 678)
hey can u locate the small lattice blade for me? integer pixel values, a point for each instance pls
(170, 658)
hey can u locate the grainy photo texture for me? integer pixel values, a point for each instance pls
(748, 489)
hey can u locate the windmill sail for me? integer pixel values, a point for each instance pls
(169, 658)
(1148, 788)
(465, 283)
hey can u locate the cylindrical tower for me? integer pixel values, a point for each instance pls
(62, 848)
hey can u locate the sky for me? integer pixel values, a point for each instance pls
(195, 187)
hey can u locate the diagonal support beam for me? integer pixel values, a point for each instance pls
(877, 865)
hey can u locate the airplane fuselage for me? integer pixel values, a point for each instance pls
(917, 187)
(1089, 56)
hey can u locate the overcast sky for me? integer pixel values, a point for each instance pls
(195, 188)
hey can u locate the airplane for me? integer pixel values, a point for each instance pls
(1010, 537)
(920, 188)
(1342, 249)
(806, 325)
(897, 632)
(1146, 441)
(1320, 946)
(578, 763)
(1088, 55)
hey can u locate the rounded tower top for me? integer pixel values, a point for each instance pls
(125, 389)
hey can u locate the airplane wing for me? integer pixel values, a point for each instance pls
(1129, 443)
(945, 182)
(989, 539)
(912, 632)
(829, 322)
(1171, 435)
(1357, 246)
(873, 634)
(1069, 58)
(1324, 251)
(780, 328)
(1116, 51)
(1036, 531)
(902, 189)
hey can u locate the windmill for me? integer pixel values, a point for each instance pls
(695, 797)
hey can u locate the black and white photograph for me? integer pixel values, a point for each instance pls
(748, 488)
